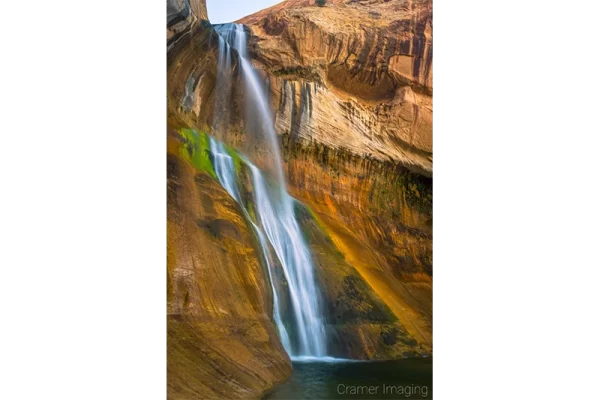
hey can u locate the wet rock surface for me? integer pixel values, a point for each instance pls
(351, 91)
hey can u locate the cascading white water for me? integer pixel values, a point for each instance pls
(300, 322)
(225, 170)
(223, 86)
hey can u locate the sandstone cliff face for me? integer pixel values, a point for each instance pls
(368, 297)
(221, 341)
(182, 15)
(378, 217)
(351, 90)
(369, 313)
(355, 75)
(351, 86)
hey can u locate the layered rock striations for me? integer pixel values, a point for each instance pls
(378, 217)
(355, 75)
(351, 87)
(221, 342)
(182, 15)
(351, 91)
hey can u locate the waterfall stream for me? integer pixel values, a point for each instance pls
(296, 300)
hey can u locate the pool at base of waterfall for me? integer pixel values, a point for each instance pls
(399, 379)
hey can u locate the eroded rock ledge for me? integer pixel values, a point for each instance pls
(354, 74)
(182, 15)
(351, 88)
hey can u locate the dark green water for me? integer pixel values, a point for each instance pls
(400, 379)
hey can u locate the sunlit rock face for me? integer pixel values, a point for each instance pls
(377, 222)
(354, 74)
(351, 87)
(221, 340)
(351, 92)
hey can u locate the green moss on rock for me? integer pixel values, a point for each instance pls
(196, 150)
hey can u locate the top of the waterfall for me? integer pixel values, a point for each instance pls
(235, 36)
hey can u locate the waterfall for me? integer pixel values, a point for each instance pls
(225, 170)
(223, 86)
(290, 267)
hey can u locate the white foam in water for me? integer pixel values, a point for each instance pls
(311, 359)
